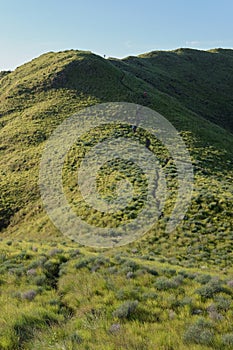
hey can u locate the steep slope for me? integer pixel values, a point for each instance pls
(201, 80)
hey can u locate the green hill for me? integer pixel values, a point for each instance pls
(59, 295)
(201, 80)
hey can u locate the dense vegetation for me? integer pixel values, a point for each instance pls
(162, 291)
(207, 73)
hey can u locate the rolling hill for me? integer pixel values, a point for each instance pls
(60, 295)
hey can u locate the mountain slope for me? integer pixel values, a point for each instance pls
(201, 80)
(36, 98)
(163, 291)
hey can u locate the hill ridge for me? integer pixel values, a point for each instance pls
(39, 95)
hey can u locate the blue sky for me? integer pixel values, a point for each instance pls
(120, 28)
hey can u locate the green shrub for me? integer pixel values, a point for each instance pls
(167, 271)
(222, 303)
(153, 272)
(186, 301)
(40, 280)
(55, 251)
(200, 332)
(227, 339)
(29, 295)
(18, 271)
(178, 280)
(112, 270)
(31, 272)
(164, 283)
(74, 253)
(187, 274)
(129, 266)
(37, 263)
(82, 263)
(210, 289)
(128, 293)
(203, 279)
(126, 310)
(115, 327)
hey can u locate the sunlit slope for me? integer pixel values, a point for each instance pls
(39, 95)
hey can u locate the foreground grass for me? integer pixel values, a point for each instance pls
(61, 297)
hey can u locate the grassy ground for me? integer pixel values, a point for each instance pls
(161, 292)
(55, 296)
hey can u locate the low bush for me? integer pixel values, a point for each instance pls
(203, 279)
(227, 339)
(200, 332)
(126, 310)
(29, 295)
(210, 289)
(164, 283)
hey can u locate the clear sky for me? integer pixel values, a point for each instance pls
(116, 28)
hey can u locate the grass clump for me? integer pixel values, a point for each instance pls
(126, 310)
(210, 289)
(227, 339)
(200, 332)
(164, 283)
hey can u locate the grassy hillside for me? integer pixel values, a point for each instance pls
(163, 291)
(201, 80)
